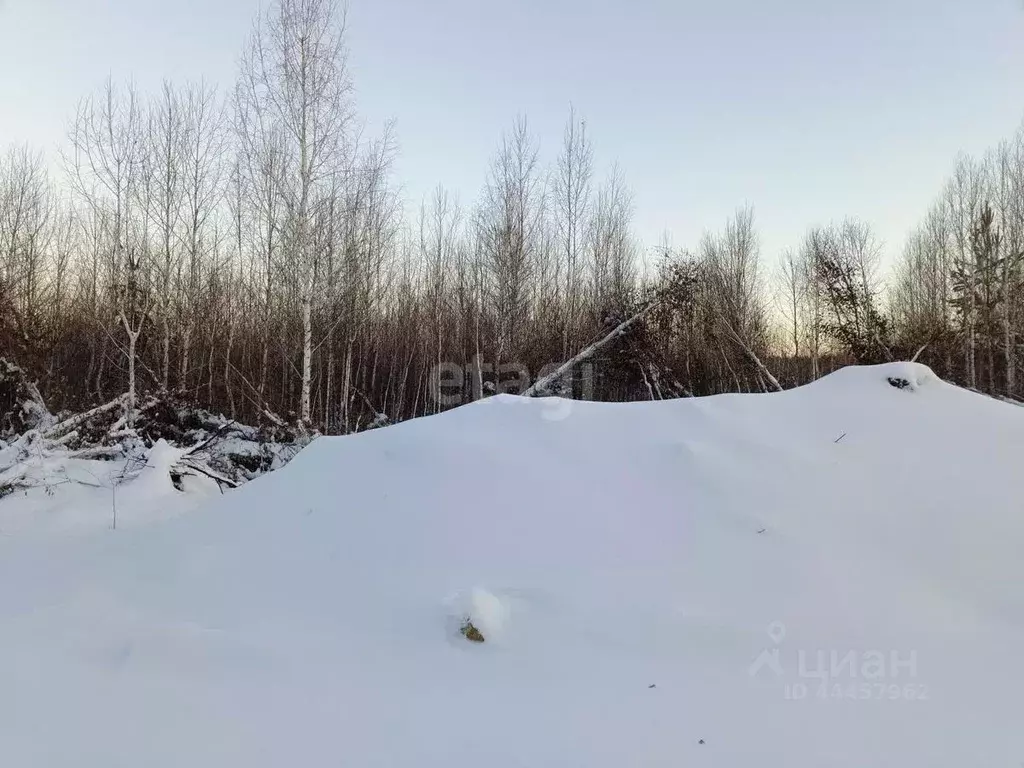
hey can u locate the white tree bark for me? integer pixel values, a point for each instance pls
(133, 338)
(307, 357)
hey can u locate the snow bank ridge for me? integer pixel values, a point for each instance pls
(903, 375)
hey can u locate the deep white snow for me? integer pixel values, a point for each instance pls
(716, 582)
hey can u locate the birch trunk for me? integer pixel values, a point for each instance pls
(133, 338)
(307, 356)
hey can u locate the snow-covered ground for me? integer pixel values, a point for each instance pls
(50, 491)
(831, 576)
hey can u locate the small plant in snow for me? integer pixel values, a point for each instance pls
(470, 632)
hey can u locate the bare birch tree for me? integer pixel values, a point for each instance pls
(164, 168)
(963, 199)
(106, 163)
(295, 78)
(572, 191)
(509, 233)
(202, 167)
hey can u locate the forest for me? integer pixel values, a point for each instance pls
(248, 249)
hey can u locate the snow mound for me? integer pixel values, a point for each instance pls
(825, 576)
(481, 609)
(909, 376)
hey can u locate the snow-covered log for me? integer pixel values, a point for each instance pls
(21, 405)
(73, 422)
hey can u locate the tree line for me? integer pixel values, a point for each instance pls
(249, 250)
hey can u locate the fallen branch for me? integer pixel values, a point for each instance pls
(647, 382)
(273, 418)
(65, 439)
(185, 466)
(379, 416)
(264, 409)
(208, 441)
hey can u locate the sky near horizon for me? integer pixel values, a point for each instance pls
(809, 110)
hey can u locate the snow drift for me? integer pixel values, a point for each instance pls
(827, 576)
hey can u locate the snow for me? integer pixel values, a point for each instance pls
(55, 493)
(657, 584)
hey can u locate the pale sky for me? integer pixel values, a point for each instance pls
(810, 110)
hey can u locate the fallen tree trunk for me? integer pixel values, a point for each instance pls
(753, 357)
(543, 385)
(99, 452)
(77, 420)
